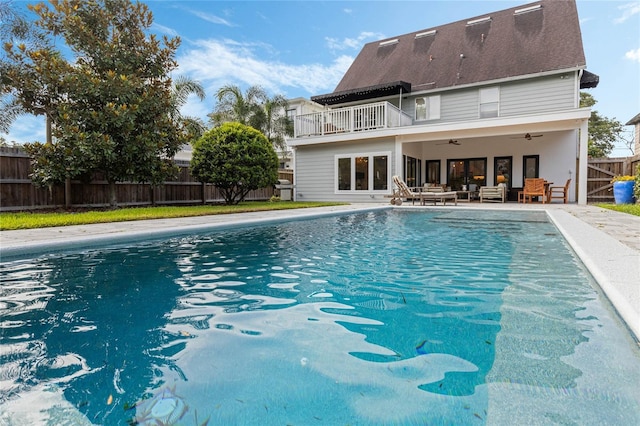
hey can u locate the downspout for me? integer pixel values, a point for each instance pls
(580, 72)
(294, 191)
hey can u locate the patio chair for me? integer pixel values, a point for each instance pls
(493, 193)
(437, 193)
(560, 192)
(403, 191)
(533, 187)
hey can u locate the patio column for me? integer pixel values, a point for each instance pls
(583, 162)
(399, 164)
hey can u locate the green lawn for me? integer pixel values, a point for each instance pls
(633, 209)
(31, 220)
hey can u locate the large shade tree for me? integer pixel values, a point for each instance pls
(236, 159)
(113, 107)
(603, 131)
(254, 108)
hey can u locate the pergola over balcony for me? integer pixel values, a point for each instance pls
(379, 115)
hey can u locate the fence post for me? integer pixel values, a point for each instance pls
(203, 192)
(67, 192)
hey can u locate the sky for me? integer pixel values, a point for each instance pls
(303, 48)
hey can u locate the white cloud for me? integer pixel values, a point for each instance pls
(352, 43)
(348, 11)
(27, 128)
(164, 30)
(634, 55)
(211, 18)
(219, 62)
(628, 10)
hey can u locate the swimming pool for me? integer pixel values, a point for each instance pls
(396, 317)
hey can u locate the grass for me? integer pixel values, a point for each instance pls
(33, 220)
(633, 209)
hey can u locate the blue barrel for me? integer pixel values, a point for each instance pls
(623, 191)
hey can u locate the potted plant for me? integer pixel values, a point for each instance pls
(636, 188)
(623, 189)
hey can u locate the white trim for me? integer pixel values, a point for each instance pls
(388, 42)
(527, 9)
(548, 121)
(479, 20)
(370, 156)
(498, 81)
(583, 161)
(425, 34)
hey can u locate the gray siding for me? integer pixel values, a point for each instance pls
(523, 97)
(317, 182)
(551, 93)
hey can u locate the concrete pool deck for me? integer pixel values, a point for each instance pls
(607, 242)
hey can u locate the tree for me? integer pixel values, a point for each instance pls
(255, 108)
(112, 108)
(183, 87)
(274, 122)
(15, 29)
(234, 106)
(236, 159)
(603, 131)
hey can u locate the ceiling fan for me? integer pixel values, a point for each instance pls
(451, 142)
(528, 136)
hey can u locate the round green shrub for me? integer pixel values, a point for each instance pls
(236, 159)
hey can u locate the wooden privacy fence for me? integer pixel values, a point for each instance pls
(17, 192)
(600, 171)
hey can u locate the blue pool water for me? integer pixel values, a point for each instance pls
(388, 317)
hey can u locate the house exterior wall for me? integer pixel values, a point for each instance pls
(547, 93)
(317, 182)
(557, 152)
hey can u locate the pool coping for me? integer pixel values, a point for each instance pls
(614, 266)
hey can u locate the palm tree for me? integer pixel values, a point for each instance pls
(183, 87)
(256, 109)
(234, 106)
(275, 123)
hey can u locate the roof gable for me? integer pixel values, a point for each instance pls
(535, 38)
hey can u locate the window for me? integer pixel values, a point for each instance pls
(412, 170)
(380, 173)
(344, 174)
(489, 102)
(362, 172)
(502, 171)
(433, 171)
(531, 167)
(428, 108)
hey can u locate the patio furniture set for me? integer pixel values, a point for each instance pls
(534, 188)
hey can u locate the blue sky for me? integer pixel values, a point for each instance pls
(302, 48)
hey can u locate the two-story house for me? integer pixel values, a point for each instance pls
(489, 99)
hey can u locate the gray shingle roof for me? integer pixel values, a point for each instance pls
(497, 45)
(634, 120)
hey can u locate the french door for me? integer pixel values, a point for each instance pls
(470, 172)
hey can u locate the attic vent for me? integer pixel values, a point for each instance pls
(388, 42)
(527, 9)
(426, 34)
(479, 20)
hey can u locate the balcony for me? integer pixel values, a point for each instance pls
(379, 115)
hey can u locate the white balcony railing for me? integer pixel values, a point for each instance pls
(379, 115)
